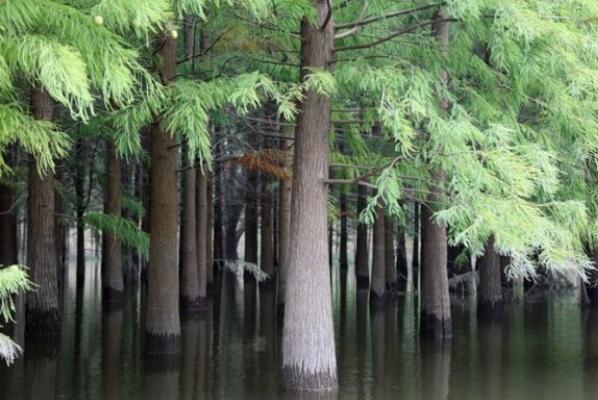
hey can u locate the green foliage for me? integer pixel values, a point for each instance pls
(128, 233)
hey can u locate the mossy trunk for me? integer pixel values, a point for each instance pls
(308, 348)
(362, 267)
(112, 263)
(163, 325)
(189, 259)
(490, 299)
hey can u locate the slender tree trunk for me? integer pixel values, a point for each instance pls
(435, 301)
(42, 311)
(308, 348)
(344, 235)
(389, 255)
(189, 242)
(112, 275)
(251, 220)
(202, 232)
(80, 211)
(60, 232)
(209, 235)
(284, 208)
(377, 289)
(163, 325)
(267, 243)
(362, 268)
(146, 197)
(490, 296)
(8, 222)
(218, 209)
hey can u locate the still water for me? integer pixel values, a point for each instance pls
(546, 350)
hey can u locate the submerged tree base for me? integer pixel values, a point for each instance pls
(162, 343)
(112, 297)
(192, 304)
(434, 327)
(377, 300)
(298, 379)
(488, 309)
(42, 323)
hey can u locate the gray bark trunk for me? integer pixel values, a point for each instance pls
(490, 296)
(362, 268)
(377, 288)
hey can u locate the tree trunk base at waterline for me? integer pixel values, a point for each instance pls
(161, 343)
(42, 323)
(433, 326)
(297, 378)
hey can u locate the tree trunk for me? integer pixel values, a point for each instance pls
(377, 289)
(308, 349)
(60, 232)
(344, 235)
(284, 209)
(490, 295)
(202, 232)
(42, 311)
(80, 212)
(163, 325)
(218, 209)
(251, 220)
(189, 242)
(112, 276)
(209, 237)
(362, 268)
(8, 222)
(267, 244)
(435, 301)
(389, 255)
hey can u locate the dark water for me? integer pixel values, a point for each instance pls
(538, 351)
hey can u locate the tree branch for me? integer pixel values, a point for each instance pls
(355, 28)
(362, 22)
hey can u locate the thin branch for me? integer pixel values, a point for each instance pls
(400, 32)
(354, 29)
(362, 22)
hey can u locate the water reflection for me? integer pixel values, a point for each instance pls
(541, 350)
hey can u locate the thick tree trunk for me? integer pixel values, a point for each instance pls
(389, 255)
(362, 268)
(267, 243)
(490, 295)
(377, 289)
(42, 311)
(163, 325)
(284, 209)
(435, 302)
(8, 222)
(308, 349)
(80, 212)
(189, 243)
(202, 232)
(344, 234)
(112, 275)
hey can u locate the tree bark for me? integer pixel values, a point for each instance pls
(490, 299)
(362, 268)
(389, 255)
(163, 325)
(112, 275)
(251, 220)
(218, 209)
(284, 219)
(344, 235)
(80, 212)
(267, 231)
(202, 233)
(42, 310)
(209, 235)
(377, 288)
(435, 304)
(189, 242)
(308, 349)
(8, 221)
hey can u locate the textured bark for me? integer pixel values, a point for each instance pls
(80, 211)
(189, 243)
(267, 243)
(112, 274)
(435, 301)
(490, 300)
(284, 220)
(202, 232)
(344, 234)
(389, 255)
(8, 222)
(163, 326)
(362, 268)
(377, 288)
(42, 311)
(308, 349)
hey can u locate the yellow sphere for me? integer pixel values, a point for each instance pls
(174, 34)
(98, 19)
